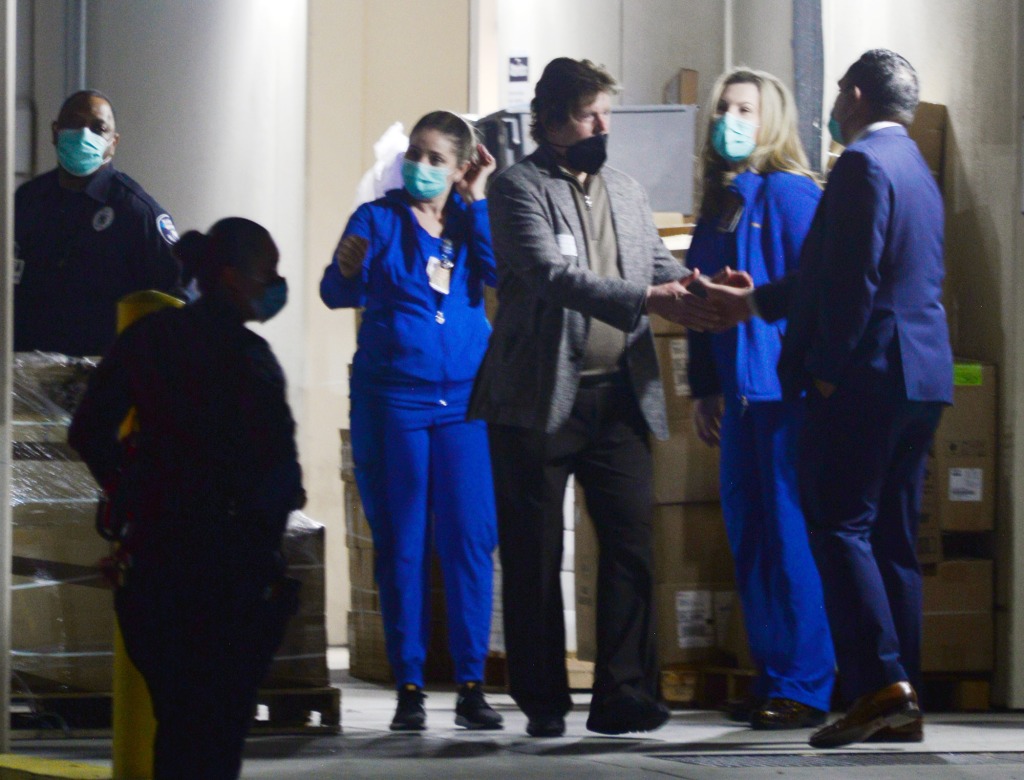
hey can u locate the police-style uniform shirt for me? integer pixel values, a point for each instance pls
(415, 340)
(215, 472)
(78, 252)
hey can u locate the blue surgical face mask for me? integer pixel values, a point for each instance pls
(275, 296)
(835, 131)
(733, 138)
(422, 181)
(80, 152)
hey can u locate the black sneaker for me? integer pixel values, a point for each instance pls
(472, 711)
(546, 726)
(410, 714)
(626, 712)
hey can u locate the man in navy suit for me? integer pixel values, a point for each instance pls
(868, 345)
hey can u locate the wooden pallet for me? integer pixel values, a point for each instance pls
(309, 711)
(703, 687)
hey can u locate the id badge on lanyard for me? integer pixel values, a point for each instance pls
(439, 269)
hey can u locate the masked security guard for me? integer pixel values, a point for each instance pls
(85, 236)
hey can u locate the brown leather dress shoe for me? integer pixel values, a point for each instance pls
(892, 706)
(777, 714)
(912, 732)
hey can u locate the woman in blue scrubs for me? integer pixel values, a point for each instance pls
(417, 260)
(758, 202)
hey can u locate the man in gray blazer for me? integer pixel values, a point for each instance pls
(570, 385)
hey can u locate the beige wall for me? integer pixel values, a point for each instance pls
(370, 64)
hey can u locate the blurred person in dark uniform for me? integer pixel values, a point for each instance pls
(85, 236)
(201, 495)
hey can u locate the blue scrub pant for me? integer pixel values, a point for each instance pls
(424, 476)
(778, 582)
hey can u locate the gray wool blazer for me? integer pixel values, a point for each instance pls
(547, 295)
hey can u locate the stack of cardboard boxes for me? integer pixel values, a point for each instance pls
(957, 518)
(694, 588)
(62, 616)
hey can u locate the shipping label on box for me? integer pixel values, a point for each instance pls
(960, 475)
(348, 464)
(688, 621)
(695, 621)
(966, 484)
(673, 360)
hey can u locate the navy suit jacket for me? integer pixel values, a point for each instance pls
(865, 309)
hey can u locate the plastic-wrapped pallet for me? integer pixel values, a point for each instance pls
(62, 621)
(62, 612)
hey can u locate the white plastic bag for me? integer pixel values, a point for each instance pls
(386, 173)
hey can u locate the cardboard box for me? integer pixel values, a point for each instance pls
(959, 492)
(673, 358)
(348, 465)
(929, 132)
(585, 584)
(357, 527)
(682, 87)
(490, 303)
(691, 620)
(662, 327)
(734, 639)
(958, 626)
(690, 544)
(691, 555)
(685, 468)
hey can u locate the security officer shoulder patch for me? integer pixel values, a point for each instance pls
(103, 219)
(165, 225)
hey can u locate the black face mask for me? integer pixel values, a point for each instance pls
(589, 154)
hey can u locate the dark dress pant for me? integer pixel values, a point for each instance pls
(604, 443)
(861, 468)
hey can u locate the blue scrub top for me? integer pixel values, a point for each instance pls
(414, 341)
(777, 212)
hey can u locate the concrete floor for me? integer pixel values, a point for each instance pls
(692, 745)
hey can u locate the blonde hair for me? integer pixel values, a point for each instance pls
(778, 141)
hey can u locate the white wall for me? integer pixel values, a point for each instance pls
(641, 42)
(210, 101)
(544, 30)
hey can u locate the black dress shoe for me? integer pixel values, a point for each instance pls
(410, 715)
(624, 713)
(546, 726)
(778, 714)
(911, 732)
(472, 710)
(893, 706)
(740, 710)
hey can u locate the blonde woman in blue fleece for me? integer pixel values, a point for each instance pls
(758, 202)
(417, 260)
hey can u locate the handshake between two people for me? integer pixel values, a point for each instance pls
(704, 303)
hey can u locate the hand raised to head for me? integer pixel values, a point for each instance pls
(473, 185)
